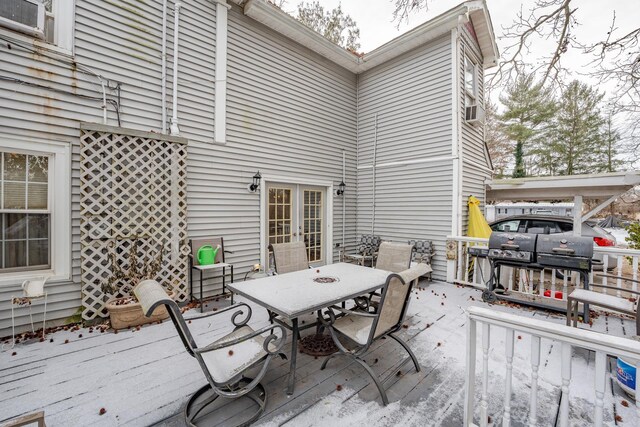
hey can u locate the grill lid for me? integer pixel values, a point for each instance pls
(513, 241)
(563, 245)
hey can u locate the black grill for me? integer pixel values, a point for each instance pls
(562, 252)
(515, 248)
(537, 252)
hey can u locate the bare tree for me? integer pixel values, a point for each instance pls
(334, 24)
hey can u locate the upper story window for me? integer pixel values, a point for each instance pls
(48, 21)
(470, 82)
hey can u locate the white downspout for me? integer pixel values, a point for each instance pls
(452, 266)
(164, 67)
(220, 112)
(373, 187)
(344, 202)
(175, 130)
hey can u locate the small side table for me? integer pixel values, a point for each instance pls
(220, 263)
(202, 269)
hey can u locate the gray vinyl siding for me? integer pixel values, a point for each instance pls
(290, 113)
(475, 166)
(412, 97)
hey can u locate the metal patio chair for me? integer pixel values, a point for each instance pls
(367, 250)
(290, 257)
(219, 264)
(362, 328)
(32, 290)
(423, 252)
(393, 257)
(224, 361)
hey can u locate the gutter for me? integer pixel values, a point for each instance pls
(278, 20)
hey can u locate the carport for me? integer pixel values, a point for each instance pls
(606, 187)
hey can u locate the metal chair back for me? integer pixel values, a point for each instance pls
(151, 295)
(395, 300)
(289, 257)
(394, 257)
(369, 244)
(423, 250)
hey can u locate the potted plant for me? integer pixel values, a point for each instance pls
(125, 311)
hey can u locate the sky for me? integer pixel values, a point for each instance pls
(374, 18)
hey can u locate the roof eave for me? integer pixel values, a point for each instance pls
(278, 20)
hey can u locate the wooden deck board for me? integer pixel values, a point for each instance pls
(145, 377)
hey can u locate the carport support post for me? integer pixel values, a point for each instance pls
(577, 215)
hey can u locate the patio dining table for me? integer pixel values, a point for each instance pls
(294, 294)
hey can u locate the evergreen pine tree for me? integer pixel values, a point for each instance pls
(529, 107)
(578, 141)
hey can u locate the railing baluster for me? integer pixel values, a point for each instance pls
(535, 363)
(605, 261)
(460, 262)
(634, 267)
(510, 271)
(530, 289)
(601, 374)
(564, 284)
(553, 282)
(484, 400)
(470, 378)
(475, 270)
(619, 280)
(566, 381)
(506, 418)
(541, 283)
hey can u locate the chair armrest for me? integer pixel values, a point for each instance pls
(233, 318)
(332, 315)
(615, 288)
(268, 340)
(611, 276)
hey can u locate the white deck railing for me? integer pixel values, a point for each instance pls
(487, 320)
(548, 283)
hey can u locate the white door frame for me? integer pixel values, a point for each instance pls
(328, 185)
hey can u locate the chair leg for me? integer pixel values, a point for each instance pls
(326, 360)
(191, 411)
(374, 377)
(406, 347)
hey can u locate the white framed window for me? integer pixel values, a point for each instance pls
(470, 82)
(47, 22)
(35, 209)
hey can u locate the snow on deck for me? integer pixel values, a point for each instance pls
(144, 377)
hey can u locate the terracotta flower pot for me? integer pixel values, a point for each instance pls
(129, 315)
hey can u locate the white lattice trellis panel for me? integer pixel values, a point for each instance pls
(133, 184)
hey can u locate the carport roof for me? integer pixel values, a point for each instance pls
(562, 187)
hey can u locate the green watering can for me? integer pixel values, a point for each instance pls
(207, 255)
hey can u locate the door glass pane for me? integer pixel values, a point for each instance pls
(312, 216)
(280, 215)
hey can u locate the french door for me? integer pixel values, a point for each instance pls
(298, 213)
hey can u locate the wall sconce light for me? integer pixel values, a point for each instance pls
(340, 190)
(256, 182)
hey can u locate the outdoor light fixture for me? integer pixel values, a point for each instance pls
(340, 190)
(256, 182)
